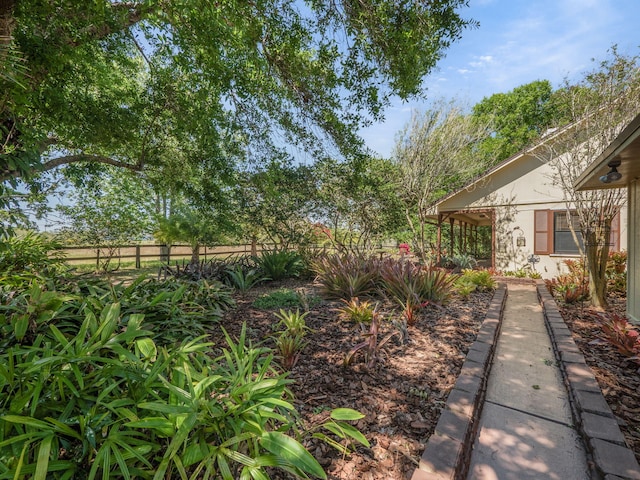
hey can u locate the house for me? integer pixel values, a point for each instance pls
(619, 166)
(524, 210)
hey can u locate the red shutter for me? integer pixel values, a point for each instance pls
(543, 232)
(614, 239)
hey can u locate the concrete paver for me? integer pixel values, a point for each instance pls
(517, 446)
(526, 430)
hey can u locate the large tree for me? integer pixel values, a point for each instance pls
(359, 202)
(518, 117)
(598, 107)
(107, 210)
(436, 153)
(277, 204)
(113, 82)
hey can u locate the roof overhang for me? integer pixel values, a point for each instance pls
(625, 151)
(478, 217)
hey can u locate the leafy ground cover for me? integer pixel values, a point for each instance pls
(618, 375)
(401, 396)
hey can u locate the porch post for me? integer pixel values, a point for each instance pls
(439, 240)
(465, 237)
(475, 240)
(452, 238)
(493, 238)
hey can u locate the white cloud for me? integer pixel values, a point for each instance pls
(520, 42)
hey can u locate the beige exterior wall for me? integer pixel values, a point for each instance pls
(633, 259)
(514, 192)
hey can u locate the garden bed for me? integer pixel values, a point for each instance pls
(401, 397)
(618, 376)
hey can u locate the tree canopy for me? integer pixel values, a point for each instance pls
(136, 83)
(519, 117)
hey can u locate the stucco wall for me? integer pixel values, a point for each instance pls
(514, 192)
(633, 259)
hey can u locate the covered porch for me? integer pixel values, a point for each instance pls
(466, 232)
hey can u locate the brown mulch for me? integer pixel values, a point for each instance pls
(619, 377)
(401, 397)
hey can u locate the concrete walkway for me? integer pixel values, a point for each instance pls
(525, 430)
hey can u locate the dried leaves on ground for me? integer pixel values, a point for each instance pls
(401, 397)
(618, 376)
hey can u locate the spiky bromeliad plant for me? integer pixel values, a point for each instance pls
(344, 276)
(413, 286)
(371, 347)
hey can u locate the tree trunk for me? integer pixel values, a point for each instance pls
(7, 22)
(195, 254)
(597, 254)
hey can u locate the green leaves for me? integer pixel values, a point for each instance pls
(291, 451)
(87, 389)
(121, 407)
(279, 264)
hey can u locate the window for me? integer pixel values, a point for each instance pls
(552, 233)
(563, 241)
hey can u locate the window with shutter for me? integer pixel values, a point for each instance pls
(552, 233)
(543, 234)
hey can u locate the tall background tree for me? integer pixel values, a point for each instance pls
(436, 153)
(276, 204)
(359, 203)
(106, 210)
(122, 83)
(518, 117)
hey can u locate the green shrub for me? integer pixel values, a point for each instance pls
(413, 286)
(290, 342)
(279, 264)
(464, 287)
(463, 261)
(174, 310)
(243, 279)
(356, 311)
(284, 298)
(23, 259)
(482, 279)
(106, 402)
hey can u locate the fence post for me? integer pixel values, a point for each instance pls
(98, 259)
(138, 257)
(164, 253)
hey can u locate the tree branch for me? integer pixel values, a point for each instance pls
(134, 13)
(69, 159)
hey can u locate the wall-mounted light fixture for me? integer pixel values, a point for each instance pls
(614, 175)
(521, 240)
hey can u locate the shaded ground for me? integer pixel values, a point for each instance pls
(618, 376)
(401, 397)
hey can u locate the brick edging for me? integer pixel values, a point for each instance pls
(595, 422)
(448, 450)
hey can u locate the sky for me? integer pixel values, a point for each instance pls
(518, 42)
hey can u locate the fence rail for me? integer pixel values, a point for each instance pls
(83, 255)
(103, 253)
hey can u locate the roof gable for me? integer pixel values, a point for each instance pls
(508, 172)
